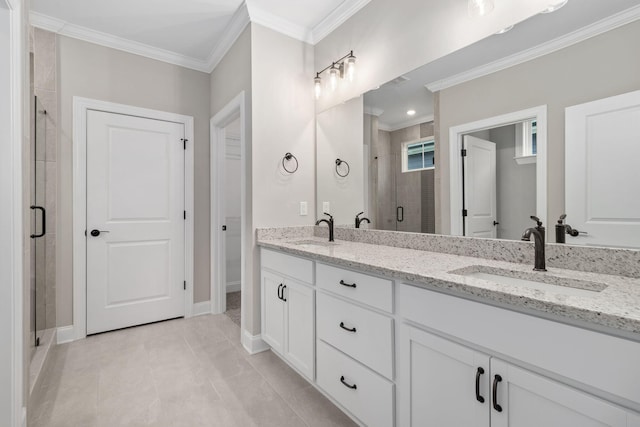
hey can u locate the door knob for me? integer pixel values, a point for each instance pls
(96, 233)
(495, 223)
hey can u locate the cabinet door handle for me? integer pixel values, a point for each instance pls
(348, 285)
(283, 298)
(496, 380)
(346, 384)
(479, 372)
(279, 288)
(347, 329)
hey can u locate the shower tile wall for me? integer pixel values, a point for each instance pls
(45, 88)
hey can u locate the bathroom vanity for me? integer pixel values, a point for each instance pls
(406, 337)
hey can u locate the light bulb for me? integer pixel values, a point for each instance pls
(480, 7)
(318, 86)
(333, 77)
(411, 112)
(351, 67)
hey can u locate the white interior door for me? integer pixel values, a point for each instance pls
(135, 222)
(602, 177)
(480, 187)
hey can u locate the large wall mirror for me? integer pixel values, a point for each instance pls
(542, 120)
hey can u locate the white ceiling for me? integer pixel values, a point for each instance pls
(191, 33)
(540, 34)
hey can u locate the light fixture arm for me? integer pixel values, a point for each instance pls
(333, 64)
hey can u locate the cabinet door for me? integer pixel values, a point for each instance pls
(273, 311)
(530, 400)
(299, 344)
(437, 382)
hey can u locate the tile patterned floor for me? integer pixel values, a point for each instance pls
(233, 307)
(191, 372)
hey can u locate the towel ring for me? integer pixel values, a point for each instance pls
(340, 162)
(287, 157)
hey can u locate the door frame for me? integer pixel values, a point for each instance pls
(12, 153)
(455, 165)
(81, 106)
(233, 110)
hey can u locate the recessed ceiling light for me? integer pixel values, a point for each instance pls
(555, 6)
(411, 112)
(504, 30)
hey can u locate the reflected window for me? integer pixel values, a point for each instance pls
(418, 155)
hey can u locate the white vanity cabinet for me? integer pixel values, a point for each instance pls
(355, 343)
(443, 381)
(288, 309)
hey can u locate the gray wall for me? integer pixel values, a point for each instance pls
(97, 72)
(596, 68)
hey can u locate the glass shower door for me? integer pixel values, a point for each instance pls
(38, 224)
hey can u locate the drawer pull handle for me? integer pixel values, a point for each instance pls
(346, 384)
(347, 329)
(479, 372)
(348, 285)
(283, 298)
(496, 380)
(279, 294)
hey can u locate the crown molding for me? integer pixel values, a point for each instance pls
(97, 37)
(592, 30)
(373, 111)
(280, 25)
(232, 31)
(336, 18)
(405, 124)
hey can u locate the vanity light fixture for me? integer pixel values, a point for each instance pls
(480, 7)
(345, 66)
(555, 6)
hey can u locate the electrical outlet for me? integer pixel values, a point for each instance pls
(326, 207)
(303, 208)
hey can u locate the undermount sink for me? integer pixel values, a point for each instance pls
(314, 243)
(530, 280)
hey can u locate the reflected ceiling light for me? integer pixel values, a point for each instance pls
(411, 112)
(504, 30)
(480, 7)
(337, 70)
(555, 6)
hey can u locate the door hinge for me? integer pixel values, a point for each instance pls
(184, 141)
(464, 212)
(463, 152)
(184, 214)
(185, 285)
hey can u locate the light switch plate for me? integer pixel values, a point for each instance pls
(303, 208)
(326, 207)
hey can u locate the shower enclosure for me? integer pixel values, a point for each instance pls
(42, 280)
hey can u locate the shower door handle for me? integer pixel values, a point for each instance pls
(400, 213)
(44, 222)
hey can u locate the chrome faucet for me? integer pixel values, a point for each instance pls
(538, 235)
(361, 220)
(329, 223)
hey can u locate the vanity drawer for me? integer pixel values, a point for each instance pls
(294, 267)
(372, 341)
(369, 290)
(371, 400)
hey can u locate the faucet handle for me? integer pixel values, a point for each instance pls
(329, 215)
(359, 214)
(537, 220)
(562, 218)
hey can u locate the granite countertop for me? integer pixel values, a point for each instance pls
(605, 301)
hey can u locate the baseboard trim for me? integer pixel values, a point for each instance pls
(66, 334)
(201, 308)
(234, 286)
(253, 343)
